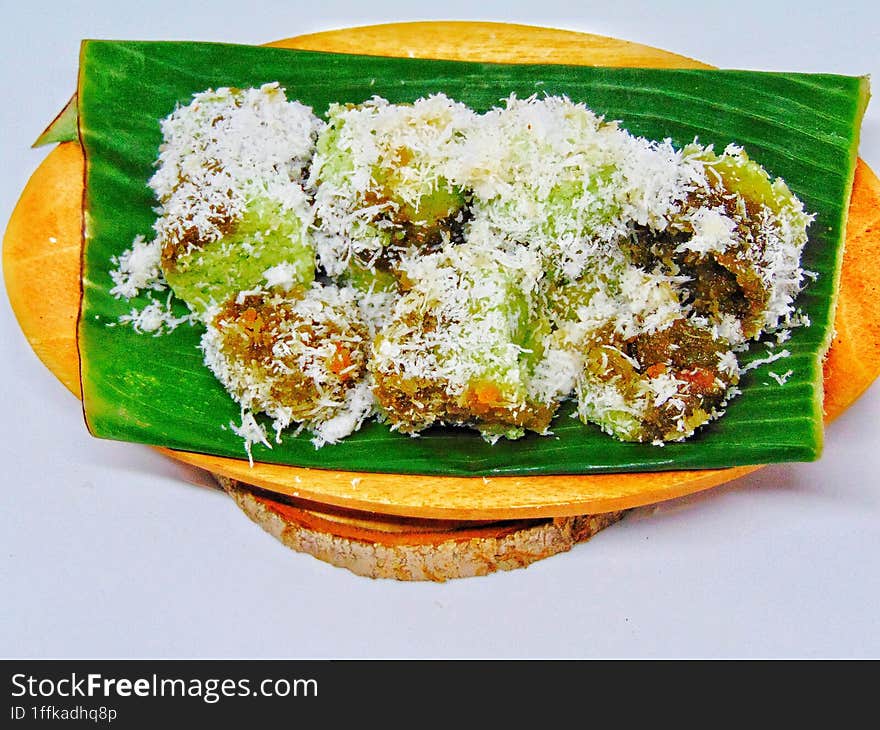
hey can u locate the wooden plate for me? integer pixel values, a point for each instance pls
(45, 229)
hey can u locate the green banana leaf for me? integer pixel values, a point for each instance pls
(63, 128)
(155, 390)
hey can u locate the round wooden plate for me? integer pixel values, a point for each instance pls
(486, 523)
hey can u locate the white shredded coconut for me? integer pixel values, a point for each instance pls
(781, 379)
(760, 362)
(137, 269)
(508, 240)
(251, 432)
(713, 232)
(283, 276)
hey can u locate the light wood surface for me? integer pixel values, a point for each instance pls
(492, 42)
(50, 208)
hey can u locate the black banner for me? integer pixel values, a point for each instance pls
(165, 693)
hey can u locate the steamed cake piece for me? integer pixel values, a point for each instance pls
(382, 184)
(735, 244)
(770, 232)
(639, 367)
(233, 212)
(300, 358)
(459, 346)
(656, 387)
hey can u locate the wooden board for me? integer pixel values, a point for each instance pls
(334, 514)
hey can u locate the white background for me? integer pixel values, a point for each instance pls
(109, 550)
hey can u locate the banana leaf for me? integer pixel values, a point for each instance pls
(156, 390)
(63, 128)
